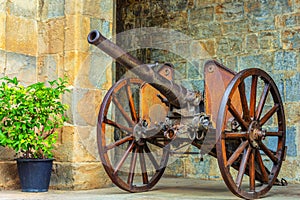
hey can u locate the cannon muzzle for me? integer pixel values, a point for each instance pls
(176, 94)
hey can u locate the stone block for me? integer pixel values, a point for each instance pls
(263, 61)
(49, 67)
(179, 5)
(175, 167)
(291, 142)
(285, 60)
(91, 8)
(229, 11)
(63, 151)
(207, 49)
(21, 35)
(288, 21)
(21, 66)
(85, 144)
(74, 62)
(269, 40)
(96, 72)
(292, 113)
(2, 62)
(75, 37)
(252, 42)
(84, 107)
(3, 6)
(291, 39)
(208, 30)
(51, 36)
(2, 31)
(49, 9)
(21, 9)
(229, 45)
(9, 177)
(201, 14)
(106, 10)
(7, 154)
(293, 88)
(62, 176)
(89, 176)
(235, 27)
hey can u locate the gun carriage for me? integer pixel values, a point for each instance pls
(238, 119)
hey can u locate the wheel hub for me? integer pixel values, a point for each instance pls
(255, 134)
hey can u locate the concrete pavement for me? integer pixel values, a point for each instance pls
(167, 188)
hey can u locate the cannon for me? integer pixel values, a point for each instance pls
(147, 119)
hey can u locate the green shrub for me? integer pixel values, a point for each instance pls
(30, 116)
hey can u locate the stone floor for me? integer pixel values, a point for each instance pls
(167, 188)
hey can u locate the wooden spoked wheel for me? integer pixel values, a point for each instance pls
(134, 160)
(251, 134)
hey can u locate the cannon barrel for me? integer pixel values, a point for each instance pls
(176, 94)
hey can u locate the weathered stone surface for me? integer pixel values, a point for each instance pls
(7, 153)
(89, 175)
(252, 42)
(84, 107)
(19, 8)
(62, 176)
(235, 27)
(21, 35)
(49, 9)
(285, 61)
(229, 11)
(3, 5)
(262, 61)
(293, 88)
(2, 31)
(75, 37)
(51, 36)
(269, 41)
(291, 39)
(229, 46)
(63, 151)
(9, 178)
(49, 67)
(21, 66)
(2, 62)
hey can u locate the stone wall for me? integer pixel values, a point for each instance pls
(239, 34)
(45, 39)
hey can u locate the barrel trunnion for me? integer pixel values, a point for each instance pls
(142, 122)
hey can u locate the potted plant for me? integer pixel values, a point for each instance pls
(29, 119)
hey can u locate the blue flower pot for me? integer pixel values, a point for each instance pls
(34, 174)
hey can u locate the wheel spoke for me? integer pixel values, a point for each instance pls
(129, 149)
(117, 125)
(253, 96)
(123, 112)
(237, 116)
(278, 134)
(242, 168)
(269, 114)
(119, 142)
(235, 135)
(132, 166)
(261, 165)
(131, 103)
(252, 170)
(143, 166)
(237, 153)
(244, 102)
(151, 157)
(262, 100)
(268, 153)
